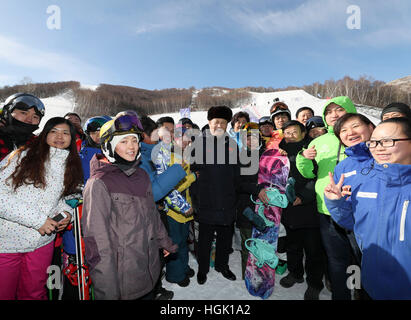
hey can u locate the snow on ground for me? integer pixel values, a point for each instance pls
(219, 288)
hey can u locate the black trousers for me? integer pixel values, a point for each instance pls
(339, 254)
(223, 244)
(306, 241)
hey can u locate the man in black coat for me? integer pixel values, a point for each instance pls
(216, 157)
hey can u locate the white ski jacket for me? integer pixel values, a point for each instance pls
(24, 211)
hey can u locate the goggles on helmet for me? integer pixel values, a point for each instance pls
(25, 101)
(278, 105)
(119, 126)
(94, 124)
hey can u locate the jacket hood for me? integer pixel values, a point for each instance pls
(342, 101)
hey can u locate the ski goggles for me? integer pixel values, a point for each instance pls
(277, 106)
(119, 126)
(94, 124)
(26, 102)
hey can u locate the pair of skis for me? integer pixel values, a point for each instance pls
(80, 269)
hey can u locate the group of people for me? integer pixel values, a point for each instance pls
(145, 183)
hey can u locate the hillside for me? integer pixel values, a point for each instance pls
(403, 84)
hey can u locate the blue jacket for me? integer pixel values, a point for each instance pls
(358, 156)
(163, 183)
(377, 212)
(86, 153)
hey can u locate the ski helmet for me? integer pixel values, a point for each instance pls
(265, 120)
(277, 108)
(120, 126)
(94, 124)
(24, 101)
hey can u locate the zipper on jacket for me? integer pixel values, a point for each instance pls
(403, 216)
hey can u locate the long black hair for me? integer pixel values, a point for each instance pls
(31, 169)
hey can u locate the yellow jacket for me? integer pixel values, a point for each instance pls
(183, 188)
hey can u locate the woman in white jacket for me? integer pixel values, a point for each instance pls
(33, 183)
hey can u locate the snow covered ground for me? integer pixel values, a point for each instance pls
(219, 288)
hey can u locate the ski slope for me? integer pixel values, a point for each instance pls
(258, 106)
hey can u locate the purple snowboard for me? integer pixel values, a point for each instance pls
(273, 172)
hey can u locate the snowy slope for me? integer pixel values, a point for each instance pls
(57, 106)
(260, 104)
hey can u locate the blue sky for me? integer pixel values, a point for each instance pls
(157, 44)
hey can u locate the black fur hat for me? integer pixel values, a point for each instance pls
(222, 112)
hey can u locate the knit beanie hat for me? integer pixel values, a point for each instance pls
(397, 107)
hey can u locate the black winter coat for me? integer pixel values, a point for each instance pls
(305, 215)
(248, 186)
(215, 190)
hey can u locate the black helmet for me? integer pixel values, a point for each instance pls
(314, 122)
(265, 120)
(24, 101)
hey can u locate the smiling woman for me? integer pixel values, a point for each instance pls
(353, 128)
(391, 142)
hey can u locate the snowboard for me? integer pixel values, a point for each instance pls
(273, 173)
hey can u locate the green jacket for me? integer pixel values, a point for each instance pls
(327, 147)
